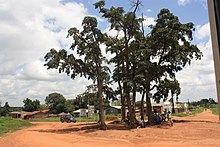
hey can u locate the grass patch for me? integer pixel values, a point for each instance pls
(93, 118)
(8, 125)
(192, 112)
(215, 110)
(46, 119)
(181, 114)
(197, 111)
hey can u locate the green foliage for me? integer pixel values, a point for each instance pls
(90, 64)
(197, 110)
(30, 105)
(191, 112)
(214, 109)
(207, 103)
(70, 107)
(56, 103)
(142, 62)
(8, 125)
(5, 110)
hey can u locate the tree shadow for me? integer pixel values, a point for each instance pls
(189, 121)
(86, 128)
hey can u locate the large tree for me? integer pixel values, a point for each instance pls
(56, 103)
(30, 105)
(124, 60)
(171, 48)
(90, 64)
(143, 61)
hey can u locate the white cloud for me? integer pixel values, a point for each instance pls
(183, 2)
(198, 80)
(149, 10)
(149, 21)
(28, 30)
(202, 31)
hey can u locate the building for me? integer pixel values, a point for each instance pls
(29, 115)
(112, 110)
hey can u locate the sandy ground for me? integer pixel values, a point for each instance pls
(198, 130)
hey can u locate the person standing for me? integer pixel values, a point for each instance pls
(169, 116)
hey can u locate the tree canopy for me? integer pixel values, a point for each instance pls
(142, 62)
(30, 105)
(56, 103)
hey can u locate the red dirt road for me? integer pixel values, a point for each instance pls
(200, 130)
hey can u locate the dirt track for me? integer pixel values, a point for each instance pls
(199, 130)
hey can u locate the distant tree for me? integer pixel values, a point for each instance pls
(69, 104)
(36, 104)
(204, 102)
(212, 101)
(56, 103)
(207, 103)
(5, 109)
(30, 105)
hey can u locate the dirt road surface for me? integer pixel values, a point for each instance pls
(199, 130)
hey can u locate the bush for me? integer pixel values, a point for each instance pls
(215, 110)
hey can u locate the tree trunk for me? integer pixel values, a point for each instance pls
(148, 102)
(127, 73)
(123, 117)
(149, 107)
(131, 114)
(101, 103)
(134, 101)
(172, 102)
(142, 106)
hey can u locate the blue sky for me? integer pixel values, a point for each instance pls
(30, 28)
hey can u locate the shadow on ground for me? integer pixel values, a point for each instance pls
(87, 128)
(190, 121)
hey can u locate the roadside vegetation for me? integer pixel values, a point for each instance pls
(94, 118)
(214, 109)
(47, 119)
(194, 111)
(8, 125)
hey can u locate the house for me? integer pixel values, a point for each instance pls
(82, 112)
(112, 110)
(28, 115)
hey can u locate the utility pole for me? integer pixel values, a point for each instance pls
(214, 18)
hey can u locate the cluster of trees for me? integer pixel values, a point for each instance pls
(142, 62)
(5, 109)
(206, 103)
(30, 105)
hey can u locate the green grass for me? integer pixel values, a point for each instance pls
(192, 112)
(197, 111)
(181, 114)
(215, 110)
(47, 119)
(93, 118)
(8, 125)
(57, 119)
